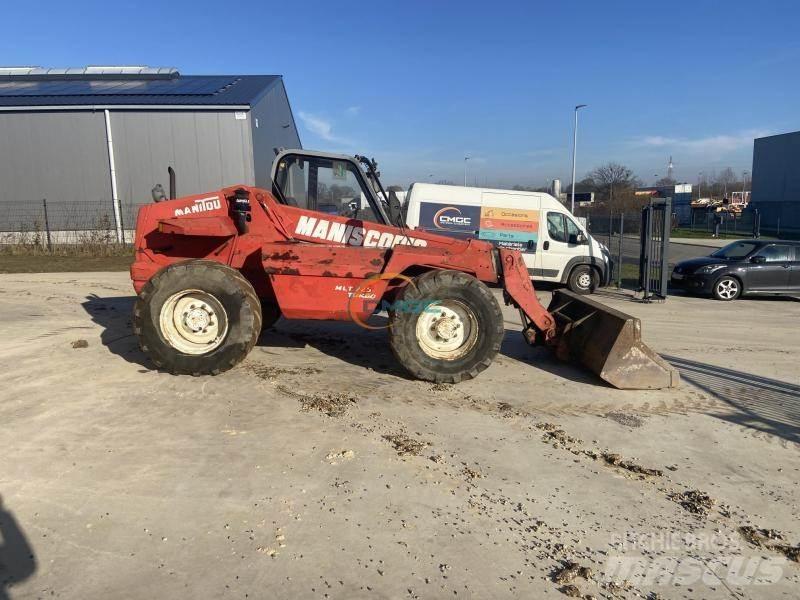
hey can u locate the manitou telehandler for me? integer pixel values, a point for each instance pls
(327, 242)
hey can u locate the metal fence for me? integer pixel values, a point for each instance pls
(48, 223)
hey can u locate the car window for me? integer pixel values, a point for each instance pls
(555, 227)
(775, 253)
(735, 250)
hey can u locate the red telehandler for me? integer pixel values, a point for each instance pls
(327, 242)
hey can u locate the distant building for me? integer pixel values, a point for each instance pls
(107, 134)
(681, 195)
(776, 181)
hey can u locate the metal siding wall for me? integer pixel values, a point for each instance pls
(273, 113)
(776, 179)
(61, 156)
(208, 150)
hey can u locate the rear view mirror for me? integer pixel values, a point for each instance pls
(758, 259)
(395, 209)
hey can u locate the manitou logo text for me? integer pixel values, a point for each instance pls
(333, 231)
(200, 205)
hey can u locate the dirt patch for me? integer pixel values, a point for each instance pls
(80, 344)
(771, 540)
(615, 460)
(626, 419)
(405, 445)
(337, 457)
(694, 501)
(271, 373)
(46, 263)
(333, 405)
(569, 571)
(440, 387)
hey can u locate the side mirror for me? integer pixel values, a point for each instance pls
(395, 209)
(758, 259)
(577, 238)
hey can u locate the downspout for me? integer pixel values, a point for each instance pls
(113, 171)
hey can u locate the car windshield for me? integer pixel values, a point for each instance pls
(735, 250)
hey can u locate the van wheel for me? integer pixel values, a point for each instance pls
(455, 334)
(582, 280)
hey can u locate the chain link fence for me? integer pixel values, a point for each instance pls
(48, 224)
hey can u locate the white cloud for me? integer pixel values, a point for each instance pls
(715, 145)
(321, 127)
(353, 111)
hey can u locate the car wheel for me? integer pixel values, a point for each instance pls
(727, 288)
(582, 280)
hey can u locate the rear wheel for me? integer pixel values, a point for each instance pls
(582, 279)
(727, 288)
(450, 328)
(197, 318)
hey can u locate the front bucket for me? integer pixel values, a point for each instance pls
(608, 342)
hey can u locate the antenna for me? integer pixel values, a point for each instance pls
(670, 168)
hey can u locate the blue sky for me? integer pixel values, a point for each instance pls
(419, 84)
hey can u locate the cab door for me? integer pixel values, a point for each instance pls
(558, 244)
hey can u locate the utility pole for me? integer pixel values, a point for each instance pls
(575, 154)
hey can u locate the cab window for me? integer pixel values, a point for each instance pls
(556, 228)
(330, 186)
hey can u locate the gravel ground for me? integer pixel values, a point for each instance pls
(316, 469)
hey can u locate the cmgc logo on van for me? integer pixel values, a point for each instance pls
(450, 216)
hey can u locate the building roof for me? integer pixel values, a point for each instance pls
(26, 87)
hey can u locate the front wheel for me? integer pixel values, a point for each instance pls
(197, 318)
(447, 327)
(727, 288)
(582, 280)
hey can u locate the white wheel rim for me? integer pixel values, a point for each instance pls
(585, 280)
(193, 322)
(447, 330)
(727, 288)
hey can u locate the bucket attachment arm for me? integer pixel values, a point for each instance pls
(606, 341)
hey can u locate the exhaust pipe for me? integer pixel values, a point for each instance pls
(173, 190)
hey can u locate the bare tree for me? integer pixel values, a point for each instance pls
(665, 182)
(611, 181)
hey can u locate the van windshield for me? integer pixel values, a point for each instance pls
(735, 250)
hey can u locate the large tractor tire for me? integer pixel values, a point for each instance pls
(197, 318)
(448, 327)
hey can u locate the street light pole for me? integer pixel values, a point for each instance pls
(574, 155)
(744, 184)
(466, 158)
(700, 184)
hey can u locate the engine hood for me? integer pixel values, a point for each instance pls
(691, 265)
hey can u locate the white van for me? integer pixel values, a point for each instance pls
(556, 247)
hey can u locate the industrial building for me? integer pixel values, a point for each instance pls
(681, 195)
(110, 133)
(776, 182)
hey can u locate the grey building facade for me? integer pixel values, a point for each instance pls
(106, 134)
(776, 182)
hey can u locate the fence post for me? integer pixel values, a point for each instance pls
(619, 254)
(47, 225)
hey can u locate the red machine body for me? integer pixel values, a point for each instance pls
(315, 265)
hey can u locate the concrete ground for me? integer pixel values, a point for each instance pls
(316, 469)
